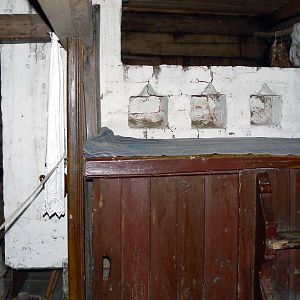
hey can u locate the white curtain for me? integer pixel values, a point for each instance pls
(54, 201)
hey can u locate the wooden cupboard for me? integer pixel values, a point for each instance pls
(185, 228)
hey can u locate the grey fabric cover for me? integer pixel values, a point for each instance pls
(109, 145)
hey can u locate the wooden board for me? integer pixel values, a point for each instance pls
(242, 7)
(106, 222)
(283, 217)
(166, 44)
(164, 238)
(91, 79)
(180, 165)
(135, 224)
(23, 28)
(191, 219)
(75, 189)
(187, 61)
(221, 236)
(247, 209)
(295, 225)
(193, 24)
(288, 11)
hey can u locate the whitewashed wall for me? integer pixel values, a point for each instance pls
(119, 83)
(34, 241)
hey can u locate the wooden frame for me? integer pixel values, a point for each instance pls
(75, 112)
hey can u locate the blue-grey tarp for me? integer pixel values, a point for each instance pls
(106, 144)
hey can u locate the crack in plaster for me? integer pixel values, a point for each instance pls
(211, 73)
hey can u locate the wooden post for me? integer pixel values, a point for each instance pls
(91, 79)
(75, 125)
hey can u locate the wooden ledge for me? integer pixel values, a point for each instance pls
(164, 166)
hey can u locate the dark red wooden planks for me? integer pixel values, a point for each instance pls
(283, 220)
(106, 238)
(221, 236)
(164, 222)
(190, 236)
(295, 225)
(246, 234)
(135, 203)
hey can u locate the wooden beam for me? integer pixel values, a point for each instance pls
(69, 18)
(225, 7)
(285, 24)
(187, 61)
(91, 79)
(23, 28)
(286, 12)
(76, 130)
(273, 34)
(143, 167)
(184, 23)
(161, 44)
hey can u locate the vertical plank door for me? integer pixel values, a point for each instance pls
(168, 238)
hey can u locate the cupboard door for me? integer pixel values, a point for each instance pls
(166, 237)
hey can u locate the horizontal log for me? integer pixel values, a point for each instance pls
(192, 45)
(124, 167)
(23, 28)
(273, 34)
(286, 12)
(187, 61)
(237, 7)
(202, 24)
(286, 24)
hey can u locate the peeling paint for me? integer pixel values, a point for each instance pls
(266, 108)
(34, 241)
(179, 84)
(209, 110)
(148, 110)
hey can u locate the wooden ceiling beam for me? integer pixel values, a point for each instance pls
(185, 23)
(219, 7)
(166, 44)
(69, 18)
(286, 12)
(23, 28)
